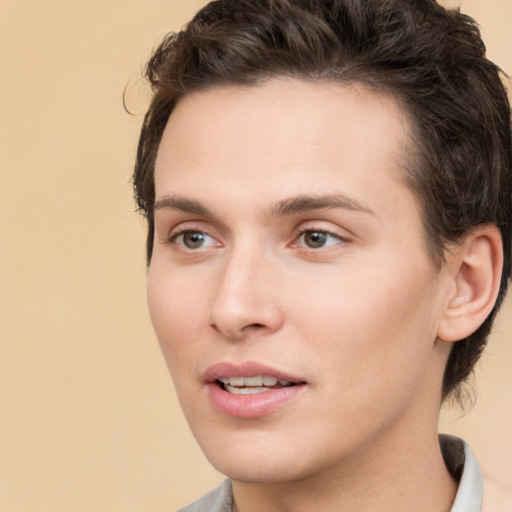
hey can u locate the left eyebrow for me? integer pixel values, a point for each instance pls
(306, 203)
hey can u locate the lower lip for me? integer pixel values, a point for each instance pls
(251, 406)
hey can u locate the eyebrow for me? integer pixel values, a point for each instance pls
(290, 206)
(306, 203)
(183, 204)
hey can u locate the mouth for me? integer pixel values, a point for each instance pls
(252, 385)
(250, 390)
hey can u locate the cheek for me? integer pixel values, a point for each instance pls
(369, 322)
(373, 348)
(174, 311)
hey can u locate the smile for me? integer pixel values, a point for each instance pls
(252, 385)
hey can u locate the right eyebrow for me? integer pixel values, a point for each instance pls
(180, 203)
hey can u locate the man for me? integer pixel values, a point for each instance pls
(327, 186)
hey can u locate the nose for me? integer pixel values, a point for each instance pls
(245, 302)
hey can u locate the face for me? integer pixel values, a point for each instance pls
(290, 288)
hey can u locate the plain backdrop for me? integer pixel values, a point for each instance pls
(88, 416)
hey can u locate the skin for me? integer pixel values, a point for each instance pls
(358, 319)
(497, 495)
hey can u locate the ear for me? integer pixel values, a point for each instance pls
(475, 271)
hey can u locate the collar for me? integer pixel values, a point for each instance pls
(462, 464)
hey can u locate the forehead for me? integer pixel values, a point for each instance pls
(284, 137)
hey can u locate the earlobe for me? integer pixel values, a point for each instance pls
(476, 267)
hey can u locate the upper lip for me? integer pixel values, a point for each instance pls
(246, 369)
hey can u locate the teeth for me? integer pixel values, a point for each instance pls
(269, 381)
(245, 391)
(256, 381)
(251, 385)
(253, 381)
(236, 381)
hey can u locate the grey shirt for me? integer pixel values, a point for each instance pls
(458, 457)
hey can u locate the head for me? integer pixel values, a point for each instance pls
(327, 188)
(430, 60)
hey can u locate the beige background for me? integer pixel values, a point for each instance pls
(88, 418)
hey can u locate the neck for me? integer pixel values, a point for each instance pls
(404, 471)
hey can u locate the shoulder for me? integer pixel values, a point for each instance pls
(219, 499)
(497, 495)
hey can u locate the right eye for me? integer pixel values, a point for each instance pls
(193, 239)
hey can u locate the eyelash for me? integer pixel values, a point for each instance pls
(174, 238)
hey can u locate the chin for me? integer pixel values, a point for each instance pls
(255, 459)
(258, 471)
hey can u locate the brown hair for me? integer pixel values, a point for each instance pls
(431, 59)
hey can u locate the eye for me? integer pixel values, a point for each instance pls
(316, 239)
(193, 239)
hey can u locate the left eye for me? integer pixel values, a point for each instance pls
(314, 239)
(193, 239)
